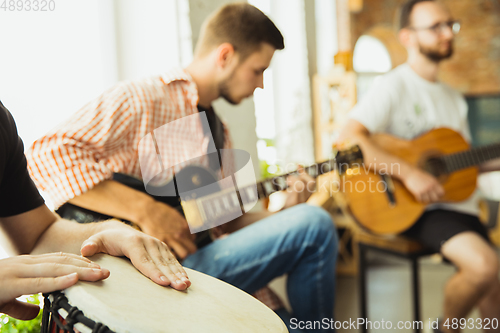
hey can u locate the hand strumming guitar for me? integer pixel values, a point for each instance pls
(425, 187)
(167, 224)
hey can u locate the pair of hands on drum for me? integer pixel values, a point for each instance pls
(30, 274)
(22, 275)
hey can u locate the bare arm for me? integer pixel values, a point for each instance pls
(41, 231)
(493, 165)
(422, 185)
(355, 133)
(20, 233)
(115, 199)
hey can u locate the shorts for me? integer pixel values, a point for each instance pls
(435, 227)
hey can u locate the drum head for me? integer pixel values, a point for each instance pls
(128, 301)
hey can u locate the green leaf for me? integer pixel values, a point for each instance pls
(12, 325)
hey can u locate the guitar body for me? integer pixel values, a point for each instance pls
(370, 203)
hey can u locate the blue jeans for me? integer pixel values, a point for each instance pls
(300, 241)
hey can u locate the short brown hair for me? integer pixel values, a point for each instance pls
(405, 12)
(243, 26)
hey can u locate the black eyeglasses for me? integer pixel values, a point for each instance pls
(440, 27)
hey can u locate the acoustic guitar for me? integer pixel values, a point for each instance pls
(216, 204)
(383, 205)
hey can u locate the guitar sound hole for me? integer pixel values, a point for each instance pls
(435, 166)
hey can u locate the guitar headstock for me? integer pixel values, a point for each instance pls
(349, 158)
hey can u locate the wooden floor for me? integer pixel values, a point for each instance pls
(389, 293)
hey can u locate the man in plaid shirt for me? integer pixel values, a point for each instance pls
(75, 163)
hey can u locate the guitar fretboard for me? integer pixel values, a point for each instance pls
(278, 183)
(227, 204)
(469, 158)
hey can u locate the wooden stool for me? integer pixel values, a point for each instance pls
(396, 246)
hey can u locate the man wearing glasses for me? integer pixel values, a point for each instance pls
(407, 102)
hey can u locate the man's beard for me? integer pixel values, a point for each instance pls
(224, 90)
(435, 55)
(224, 93)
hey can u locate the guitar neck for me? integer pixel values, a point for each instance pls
(268, 186)
(227, 204)
(470, 158)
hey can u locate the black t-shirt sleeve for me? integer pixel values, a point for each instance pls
(18, 193)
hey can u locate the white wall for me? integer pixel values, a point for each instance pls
(292, 96)
(147, 38)
(326, 34)
(51, 63)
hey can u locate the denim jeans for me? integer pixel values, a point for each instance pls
(300, 241)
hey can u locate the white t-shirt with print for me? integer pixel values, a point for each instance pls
(403, 104)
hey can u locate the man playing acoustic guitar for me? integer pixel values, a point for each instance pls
(75, 163)
(407, 102)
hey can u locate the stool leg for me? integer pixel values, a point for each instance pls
(362, 284)
(416, 291)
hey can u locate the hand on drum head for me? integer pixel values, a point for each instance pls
(148, 254)
(25, 275)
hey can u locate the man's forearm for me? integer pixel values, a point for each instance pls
(493, 165)
(40, 231)
(377, 159)
(66, 236)
(114, 199)
(374, 157)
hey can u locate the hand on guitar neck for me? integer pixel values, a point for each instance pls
(300, 188)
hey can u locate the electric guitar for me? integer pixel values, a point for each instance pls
(383, 205)
(216, 204)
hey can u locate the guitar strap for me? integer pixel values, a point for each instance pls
(216, 129)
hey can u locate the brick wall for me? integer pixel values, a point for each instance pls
(475, 67)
